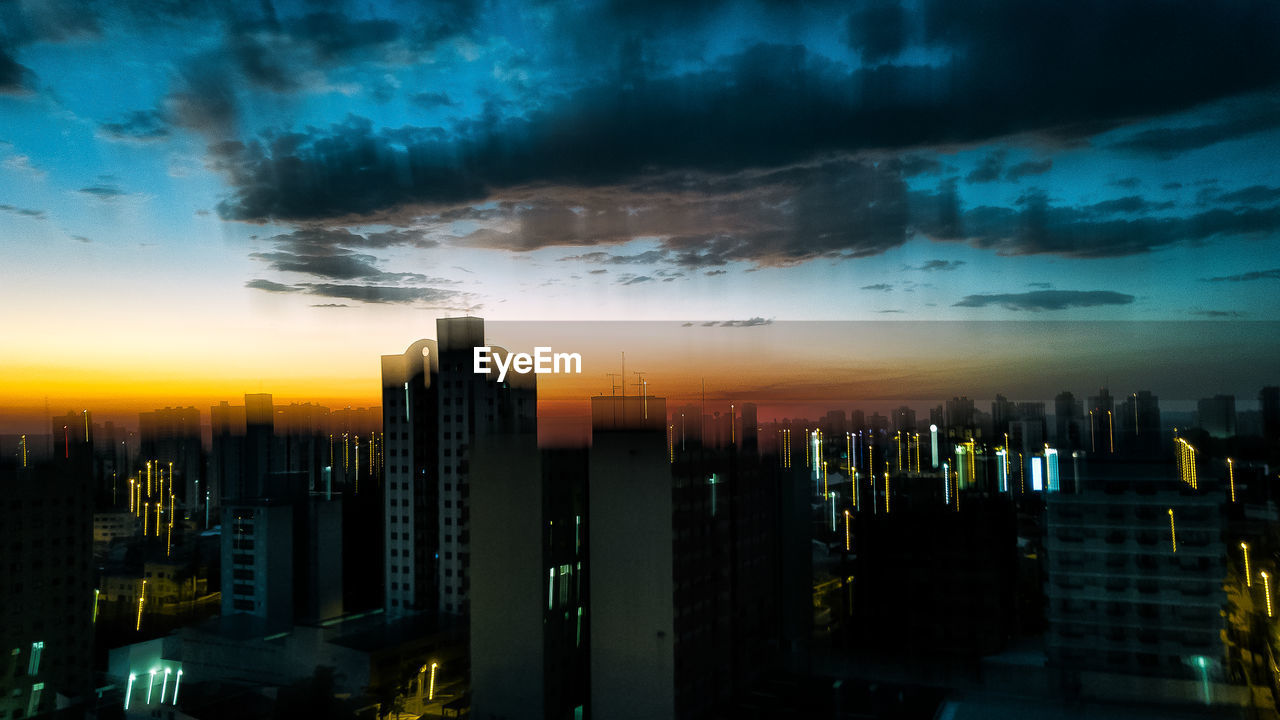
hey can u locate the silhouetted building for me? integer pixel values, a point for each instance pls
(1269, 406)
(1140, 431)
(171, 437)
(1217, 415)
(931, 580)
(1068, 415)
(1102, 423)
(46, 595)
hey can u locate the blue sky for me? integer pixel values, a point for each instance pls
(280, 172)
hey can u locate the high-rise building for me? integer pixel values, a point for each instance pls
(1140, 431)
(1003, 412)
(628, 580)
(47, 601)
(904, 419)
(171, 436)
(434, 407)
(1217, 415)
(1102, 423)
(960, 418)
(1269, 406)
(1135, 576)
(1068, 414)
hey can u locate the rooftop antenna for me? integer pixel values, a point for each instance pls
(644, 391)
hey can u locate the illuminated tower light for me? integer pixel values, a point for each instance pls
(128, 693)
(177, 682)
(164, 686)
(150, 683)
(847, 538)
(1173, 531)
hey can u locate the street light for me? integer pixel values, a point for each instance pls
(1173, 531)
(431, 691)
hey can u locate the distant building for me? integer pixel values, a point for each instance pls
(1140, 429)
(1217, 415)
(1102, 423)
(172, 435)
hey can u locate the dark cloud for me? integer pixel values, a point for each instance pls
(882, 287)
(15, 78)
(751, 322)
(1128, 183)
(138, 126)
(648, 257)
(432, 100)
(376, 294)
(327, 253)
(1042, 285)
(82, 239)
(597, 271)
(269, 286)
(203, 98)
(104, 192)
(1252, 195)
(1272, 274)
(878, 30)
(27, 212)
(1111, 228)
(988, 169)
(713, 273)
(633, 279)
(1029, 167)
(937, 265)
(331, 305)
(728, 116)
(1218, 313)
(1230, 120)
(1047, 299)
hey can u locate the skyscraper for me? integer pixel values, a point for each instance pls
(1269, 404)
(1217, 415)
(434, 406)
(1102, 423)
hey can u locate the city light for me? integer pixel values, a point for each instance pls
(847, 537)
(128, 693)
(1231, 478)
(1173, 531)
(1248, 578)
(431, 688)
(164, 685)
(142, 597)
(150, 682)
(177, 682)
(1266, 591)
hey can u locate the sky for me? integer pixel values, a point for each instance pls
(199, 200)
